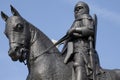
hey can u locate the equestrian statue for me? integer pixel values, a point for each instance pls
(78, 59)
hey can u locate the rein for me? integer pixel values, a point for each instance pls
(54, 45)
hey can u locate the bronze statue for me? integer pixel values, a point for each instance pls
(81, 43)
(79, 59)
(27, 42)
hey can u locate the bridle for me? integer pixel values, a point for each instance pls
(66, 37)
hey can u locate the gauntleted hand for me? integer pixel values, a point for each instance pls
(70, 31)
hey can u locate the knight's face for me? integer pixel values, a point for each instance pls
(81, 9)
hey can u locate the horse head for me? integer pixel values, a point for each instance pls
(29, 43)
(17, 32)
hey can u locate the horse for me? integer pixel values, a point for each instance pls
(28, 43)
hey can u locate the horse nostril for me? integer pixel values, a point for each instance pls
(12, 50)
(9, 52)
(16, 48)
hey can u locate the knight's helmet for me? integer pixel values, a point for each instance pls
(83, 6)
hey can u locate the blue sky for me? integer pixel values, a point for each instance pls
(54, 18)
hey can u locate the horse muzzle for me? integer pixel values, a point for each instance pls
(14, 53)
(18, 51)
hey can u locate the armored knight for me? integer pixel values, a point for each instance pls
(80, 47)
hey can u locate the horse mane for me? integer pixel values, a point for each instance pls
(47, 42)
(45, 39)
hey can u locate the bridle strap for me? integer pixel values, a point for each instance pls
(49, 48)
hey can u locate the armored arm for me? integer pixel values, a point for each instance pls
(82, 31)
(83, 26)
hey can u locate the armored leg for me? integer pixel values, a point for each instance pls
(79, 67)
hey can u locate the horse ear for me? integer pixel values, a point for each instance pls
(4, 16)
(14, 11)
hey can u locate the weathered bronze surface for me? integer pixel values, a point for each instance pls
(79, 59)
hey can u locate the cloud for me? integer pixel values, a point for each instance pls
(102, 12)
(106, 14)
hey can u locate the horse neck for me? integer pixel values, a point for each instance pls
(40, 42)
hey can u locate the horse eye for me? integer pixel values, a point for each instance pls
(19, 27)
